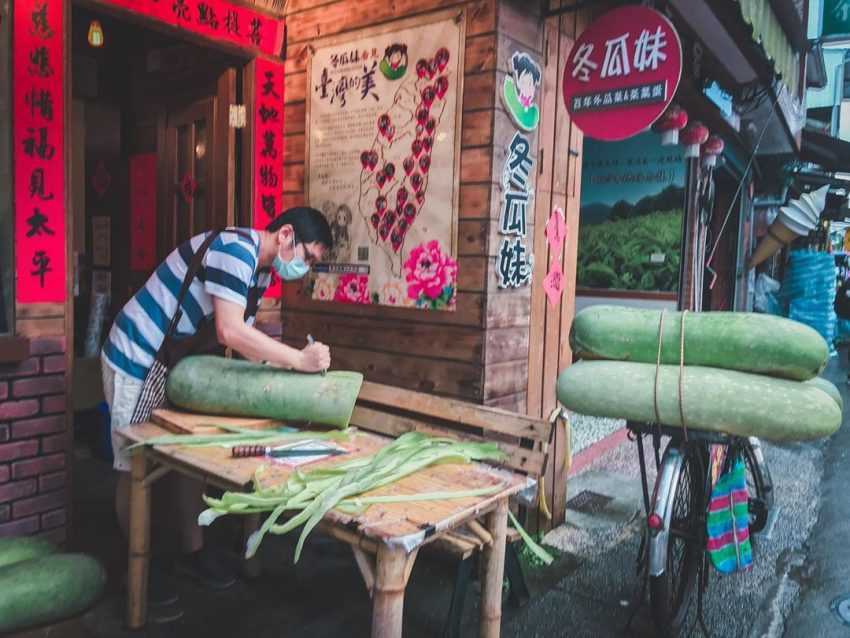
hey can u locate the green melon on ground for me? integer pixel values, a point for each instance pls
(16, 550)
(713, 399)
(48, 589)
(216, 385)
(749, 342)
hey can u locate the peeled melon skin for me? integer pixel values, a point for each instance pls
(48, 589)
(231, 387)
(15, 550)
(714, 400)
(749, 342)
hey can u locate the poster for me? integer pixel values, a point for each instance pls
(383, 164)
(101, 241)
(39, 150)
(632, 197)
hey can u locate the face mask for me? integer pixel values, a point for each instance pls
(291, 270)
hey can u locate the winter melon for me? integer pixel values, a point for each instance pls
(15, 550)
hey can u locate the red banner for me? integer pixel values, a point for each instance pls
(215, 19)
(143, 212)
(622, 73)
(268, 149)
(39, 150)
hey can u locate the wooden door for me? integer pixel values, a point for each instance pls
(196, 166)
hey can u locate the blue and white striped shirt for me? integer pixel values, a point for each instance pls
(229, 270)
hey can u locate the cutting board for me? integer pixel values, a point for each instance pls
(189, 423)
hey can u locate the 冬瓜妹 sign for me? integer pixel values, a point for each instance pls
(622, 73)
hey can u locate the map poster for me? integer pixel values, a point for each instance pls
(383, 155)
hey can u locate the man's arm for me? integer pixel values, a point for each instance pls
(233, 332)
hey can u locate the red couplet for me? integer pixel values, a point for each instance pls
(143, 212)
(622, 73)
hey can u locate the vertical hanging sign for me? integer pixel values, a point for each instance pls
(268, 149)
(39, 150)
(143, 212)
(515, 262)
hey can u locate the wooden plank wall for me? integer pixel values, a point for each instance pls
(436, 352)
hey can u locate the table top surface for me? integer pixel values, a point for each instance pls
(407, 524)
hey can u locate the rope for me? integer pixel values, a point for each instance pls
(682, 375)
(658, 366)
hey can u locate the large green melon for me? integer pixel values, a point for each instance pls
(216, 385)
(750, 342)
(713, 399)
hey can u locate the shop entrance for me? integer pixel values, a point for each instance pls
(154, 162)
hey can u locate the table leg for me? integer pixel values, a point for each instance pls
(139, 542)
(392, 568)
(493, 556)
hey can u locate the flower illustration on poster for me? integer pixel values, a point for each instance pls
(519, 91)
(556, 235)
(383, 163)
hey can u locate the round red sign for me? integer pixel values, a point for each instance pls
(622, 73)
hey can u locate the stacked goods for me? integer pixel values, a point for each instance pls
(744, 374)
(39, 586)
(216, 385)
(809, 292)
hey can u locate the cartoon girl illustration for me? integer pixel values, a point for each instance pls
(519, 91)
(394, 64)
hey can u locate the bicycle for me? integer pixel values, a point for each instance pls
(673, 556)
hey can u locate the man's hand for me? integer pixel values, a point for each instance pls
(314, 358)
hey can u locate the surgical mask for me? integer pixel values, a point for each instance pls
(293, 269)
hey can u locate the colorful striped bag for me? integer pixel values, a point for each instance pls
(729, 522)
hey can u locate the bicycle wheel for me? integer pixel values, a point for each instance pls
(759, 487)
(671, 592)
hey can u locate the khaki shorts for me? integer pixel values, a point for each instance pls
(122, 393)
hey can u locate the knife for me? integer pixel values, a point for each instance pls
(311, 341)
(244, 451)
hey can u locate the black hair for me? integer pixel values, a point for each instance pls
(401, 48)
(308, 223)
(524, 64)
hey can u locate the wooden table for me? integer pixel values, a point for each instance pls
(385, 539)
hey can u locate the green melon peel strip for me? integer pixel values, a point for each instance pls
(538, 551)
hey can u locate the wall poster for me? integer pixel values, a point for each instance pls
(632, 197)
(383, 160)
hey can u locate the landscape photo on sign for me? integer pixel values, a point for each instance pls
(381, 166)
(519, 91)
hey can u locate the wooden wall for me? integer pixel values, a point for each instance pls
(436, 352)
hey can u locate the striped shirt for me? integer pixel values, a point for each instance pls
(228, 271)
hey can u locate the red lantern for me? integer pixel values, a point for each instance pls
(694, 135)
(711, 149)
(670, 123)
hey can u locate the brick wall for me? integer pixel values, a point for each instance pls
(34, 443)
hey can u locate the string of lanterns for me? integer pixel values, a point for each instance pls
(674, 128)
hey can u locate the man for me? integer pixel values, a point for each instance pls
(235, 272)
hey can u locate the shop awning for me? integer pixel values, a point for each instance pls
(769, 34)
(829, 152)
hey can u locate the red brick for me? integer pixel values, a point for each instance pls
(55, 443)
(5, 513)
(16, 489)
(4, 432)
(37, 386)
(53, 404)
(18, 409)
(19, 450)
(53, 363)
(39, 465)
(37, 504)
(22, 527)
(50, 482)
(25, 368)
(4, 390)
(56, 518)
(56, 536)
(4, 473)
(47, 345)
(41, 425)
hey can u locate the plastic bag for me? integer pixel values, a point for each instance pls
(766, 288)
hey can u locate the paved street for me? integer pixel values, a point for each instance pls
(801, 559)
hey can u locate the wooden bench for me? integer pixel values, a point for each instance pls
(525, 441)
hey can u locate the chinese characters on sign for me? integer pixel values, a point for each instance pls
(514, 261)
(215, 19)
(268, 149)
(382, 165)
(622, 72)
(143, 212)
(38, 139)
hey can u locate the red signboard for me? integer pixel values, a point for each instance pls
(143, 212)
(39, 150)
(622, 73)
(268, 148)
(214, 19)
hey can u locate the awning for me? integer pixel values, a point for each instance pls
(770, 35)
(829, 152)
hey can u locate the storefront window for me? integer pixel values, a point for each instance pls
(7, 278)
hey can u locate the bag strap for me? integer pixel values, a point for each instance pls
(191, 271)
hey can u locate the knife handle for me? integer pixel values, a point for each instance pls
(245, 451)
